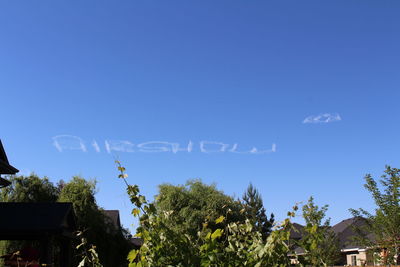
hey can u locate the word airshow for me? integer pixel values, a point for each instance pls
(70, 142)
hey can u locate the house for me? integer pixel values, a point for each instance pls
(5, 167)
(50, 226)
(112, 216)
(352, 253)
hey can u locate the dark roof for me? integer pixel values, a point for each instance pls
(114, 217)
(31, 220)
(346, 231)
(5, 167)
(297, 232)
(340, 227)
(298, 251)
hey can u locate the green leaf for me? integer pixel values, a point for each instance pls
(220, 219)
(313, 245)
(121, 169)
(314, 229)
(132, 255)
(142, 199)
(217, 233)
(135, 212)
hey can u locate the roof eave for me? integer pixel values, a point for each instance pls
(6, 168)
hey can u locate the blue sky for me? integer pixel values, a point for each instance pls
(236, 72)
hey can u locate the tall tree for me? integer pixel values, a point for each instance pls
(81, 193)
(320, 244)
(384, 224)
(255, 211)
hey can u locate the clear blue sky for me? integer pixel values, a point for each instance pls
(244, 72)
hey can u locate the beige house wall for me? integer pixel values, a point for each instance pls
(361, 258)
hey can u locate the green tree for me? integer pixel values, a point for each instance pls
(255, 211)
(194, 203)
(228, 245)
(384, 223)
(110, 243)
(81, 193)
(320, 244)
(29, 189)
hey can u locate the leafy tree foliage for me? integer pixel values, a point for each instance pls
(81, 193)
(29, 189)
(228, 244)
(194, 203)
(320, 244)
(255, 211)
(384, 224)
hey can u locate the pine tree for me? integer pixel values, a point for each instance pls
(255, 211)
